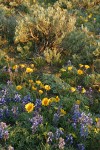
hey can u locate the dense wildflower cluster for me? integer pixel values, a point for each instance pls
(49, 75)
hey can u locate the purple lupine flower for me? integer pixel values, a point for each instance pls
(69, 139)
(26, 99)
(89, 93)
(83, 131)
(58, 133)
(61, 143)
(1, 133)
(81, 147)
(85, 119)
(37, 104)
(14, 110)
(76, 113)
(50, 137)
(2, 101)
(36, 121)
(4, 92)
(17, 98)
(1, 113)
(9, 82)
(56, 118)
(7, 99)
(6, 112)
(74, 125)
(79, 88)
(4, 134)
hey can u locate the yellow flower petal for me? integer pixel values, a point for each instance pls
(29, 107)
(80, 72)
(45, 101)
(70, 68)
(19, 87)
(47, 87)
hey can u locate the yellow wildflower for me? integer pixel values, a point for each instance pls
(96, 130)
(40, 92)
(81, 65)
(80, 72)
(38, 82)
(30, 81)
(34, 88)
(57, 99)
(83, 90)
(22, 65)
(47, 87)
(97, 119)
(78, 102)
(73, 89)
(18, 87)
(32, 65)
(62, 112)
(90, 15)
(45, 101)
(15, 67)
(29, 107)
(62, 69)
(29, 70)
(62, 129)
(70, 68)
(87, 66)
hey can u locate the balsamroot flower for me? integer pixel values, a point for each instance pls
(15, 67)
(29, 70)
(38, 82)
(29, 107)
(73, 89)
(57, 99)
(40, 92)
(19, 87)
(87, 66)
(70, 68)
(80, 72)
(47, 87)
(45, 101)
(83, 90)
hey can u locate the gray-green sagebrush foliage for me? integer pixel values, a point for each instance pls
(79, 47)
(44, 27)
